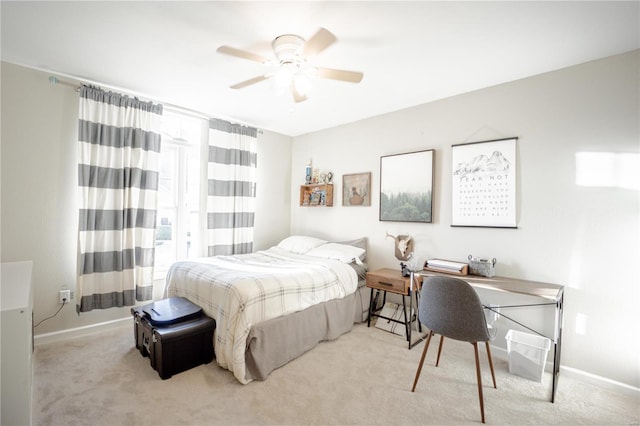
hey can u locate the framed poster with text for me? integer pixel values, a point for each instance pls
(484, 184)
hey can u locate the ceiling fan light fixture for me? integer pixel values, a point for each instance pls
(282, 80)
(302, 83)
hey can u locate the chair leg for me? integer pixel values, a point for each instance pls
(479, 377)
(493, 374)
(424, 354)
(439, 349)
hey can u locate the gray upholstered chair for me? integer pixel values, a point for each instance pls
(451, 308)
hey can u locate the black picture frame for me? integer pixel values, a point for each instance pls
(406, 187)
(483, 186)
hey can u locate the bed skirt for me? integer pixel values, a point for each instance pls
(273, 343)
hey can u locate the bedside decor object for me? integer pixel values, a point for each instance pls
(482, 267)
(307, 173)
(316, 194)
(446, 266)
(403, 246)
(356, 189)
(329, 178)
(483, 187)
(406, 187)
(404, 269)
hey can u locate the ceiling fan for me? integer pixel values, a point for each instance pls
(294, 71)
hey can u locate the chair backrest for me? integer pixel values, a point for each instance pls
(451, 307)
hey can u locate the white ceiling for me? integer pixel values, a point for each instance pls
(410, 52)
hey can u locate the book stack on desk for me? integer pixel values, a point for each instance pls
(446, 266)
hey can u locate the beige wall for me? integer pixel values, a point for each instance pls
(585, 238)
(39, 208)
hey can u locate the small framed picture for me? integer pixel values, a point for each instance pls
(356, 189)
(314, 199)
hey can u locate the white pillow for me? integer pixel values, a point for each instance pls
(300, 244)
(360, 242)
(341, 252)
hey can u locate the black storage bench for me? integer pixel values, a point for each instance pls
(175, 334)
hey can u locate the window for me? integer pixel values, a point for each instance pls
(178, 221)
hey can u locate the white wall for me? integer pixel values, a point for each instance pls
(586, 238)
(273, 196)
(39, 208)
(583, 237)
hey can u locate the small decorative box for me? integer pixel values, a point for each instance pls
(482, 267)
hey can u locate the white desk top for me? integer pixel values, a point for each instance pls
(509, 285)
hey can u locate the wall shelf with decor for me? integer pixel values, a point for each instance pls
(316, 195)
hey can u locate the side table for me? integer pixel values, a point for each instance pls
(391, 280)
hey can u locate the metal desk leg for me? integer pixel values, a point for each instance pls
(417, 292)
(421, 337)
(407, 324)
(557, 347)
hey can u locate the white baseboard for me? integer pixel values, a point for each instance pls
(574, 373)
(71, 333)
(599, 381)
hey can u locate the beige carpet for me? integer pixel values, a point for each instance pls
(362, 378)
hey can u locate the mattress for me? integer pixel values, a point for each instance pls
(245, 290)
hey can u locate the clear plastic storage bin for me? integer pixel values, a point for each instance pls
(527, 354)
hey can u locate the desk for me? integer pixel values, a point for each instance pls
(553, 294)
(391, 280)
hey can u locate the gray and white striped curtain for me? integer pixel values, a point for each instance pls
(231, 188)
(118, 161)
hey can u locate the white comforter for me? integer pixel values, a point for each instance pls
(242, 290)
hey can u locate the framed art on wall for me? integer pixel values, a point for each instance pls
(406, 187)
(484, 184)
(356, 189)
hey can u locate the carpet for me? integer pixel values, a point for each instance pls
(362, 378)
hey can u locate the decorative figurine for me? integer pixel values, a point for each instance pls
(403, 246)
(405, 270)
(307, 173)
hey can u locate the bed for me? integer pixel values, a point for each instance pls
(273, 305)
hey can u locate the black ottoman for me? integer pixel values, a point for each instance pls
(180, 340)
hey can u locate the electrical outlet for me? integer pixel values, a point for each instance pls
(65, 296)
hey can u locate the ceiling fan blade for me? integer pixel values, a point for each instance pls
(249, 82)
(322, 39)
(343, 75)
(232, 51)
(297, 97)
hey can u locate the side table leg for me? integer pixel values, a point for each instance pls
(370, 309)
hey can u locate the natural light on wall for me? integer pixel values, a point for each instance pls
(608, 169)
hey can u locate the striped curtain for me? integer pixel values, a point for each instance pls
(231, 188)
(118, 160)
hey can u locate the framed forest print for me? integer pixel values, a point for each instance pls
(406, 187)
(484, 184)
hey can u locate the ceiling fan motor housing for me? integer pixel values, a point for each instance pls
(288, 48)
